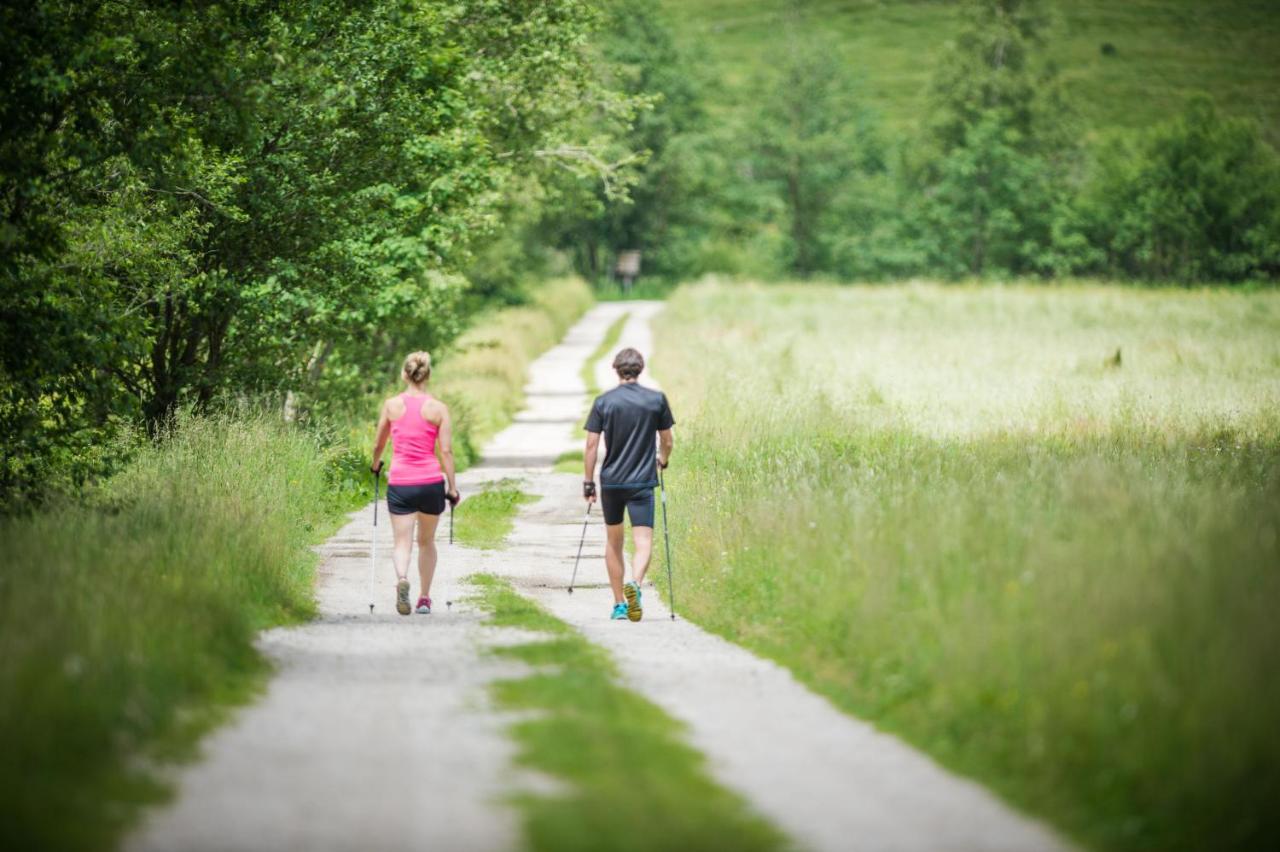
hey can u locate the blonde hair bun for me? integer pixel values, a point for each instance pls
(417, 367)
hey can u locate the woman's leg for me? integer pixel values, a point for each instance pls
(427, 550)
(402, 528)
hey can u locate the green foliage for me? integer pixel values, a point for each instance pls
(1194, 198)
(998, 134)
(813, 142)
(128, 622)
(213, 200)
(960, 515)
(611, 748)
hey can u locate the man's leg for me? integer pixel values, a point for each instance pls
(643, 538)
(613, 559)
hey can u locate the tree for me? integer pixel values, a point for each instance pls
(1196, 198)
(813, 143)
(211, 198)
(1000, 139)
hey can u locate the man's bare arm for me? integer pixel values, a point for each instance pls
(589, 460)
(666, 441)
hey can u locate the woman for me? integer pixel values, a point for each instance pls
(417, 487)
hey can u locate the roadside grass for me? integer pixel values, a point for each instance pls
(631, 783)
(482, 376)
(485, 519)
(1164, 52)
(952, 512)
(129, 623)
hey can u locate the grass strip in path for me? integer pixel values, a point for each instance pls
(484, 520)
(631, 781)
(611, 338)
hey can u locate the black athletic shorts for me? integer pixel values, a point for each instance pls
(638, 503)
(407, 499)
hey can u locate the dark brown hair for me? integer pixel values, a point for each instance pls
(629, 363)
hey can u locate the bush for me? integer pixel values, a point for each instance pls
(1195, 199)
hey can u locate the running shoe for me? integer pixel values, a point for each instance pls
(635, 609)
(619, 612)
(402, 597)
(424, 606)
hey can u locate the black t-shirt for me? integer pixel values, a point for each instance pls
(630, 417)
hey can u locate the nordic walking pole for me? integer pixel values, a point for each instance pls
(666, 539)
(450, 522)
(581, 541)
(373, 537)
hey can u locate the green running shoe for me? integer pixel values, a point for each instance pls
(402, 597)
(619, 612)
(635, 609)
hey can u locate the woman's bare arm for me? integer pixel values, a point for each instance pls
(444, 449)
(380, 440)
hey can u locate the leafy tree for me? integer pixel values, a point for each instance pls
(211, 198)
(815, 145)
(1001, 145)
(1196, 198)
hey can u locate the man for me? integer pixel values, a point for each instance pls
(630, 417)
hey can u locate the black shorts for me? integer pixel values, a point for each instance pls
(638, 503)
(407, 499)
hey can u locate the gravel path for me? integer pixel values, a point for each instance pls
(376, 734)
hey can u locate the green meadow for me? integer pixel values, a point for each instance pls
(1163, 52)
(1034, 531)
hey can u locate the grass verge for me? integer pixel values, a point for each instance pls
(485, 519)
(482, 376)
(954, 513)
(632, 783)
(128, 623)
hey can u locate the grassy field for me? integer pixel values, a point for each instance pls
(1034, 531)
(1165, 50)
(127, 617)
(631, 783)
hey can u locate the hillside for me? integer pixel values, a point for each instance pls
(1164, 50)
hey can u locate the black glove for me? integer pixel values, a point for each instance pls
(455, 498)
(588, 490)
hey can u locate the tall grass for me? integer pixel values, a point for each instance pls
(126, 620)
(953, 512)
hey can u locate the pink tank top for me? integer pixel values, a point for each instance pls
(413, 445)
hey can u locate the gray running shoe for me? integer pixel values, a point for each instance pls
(402, 597)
